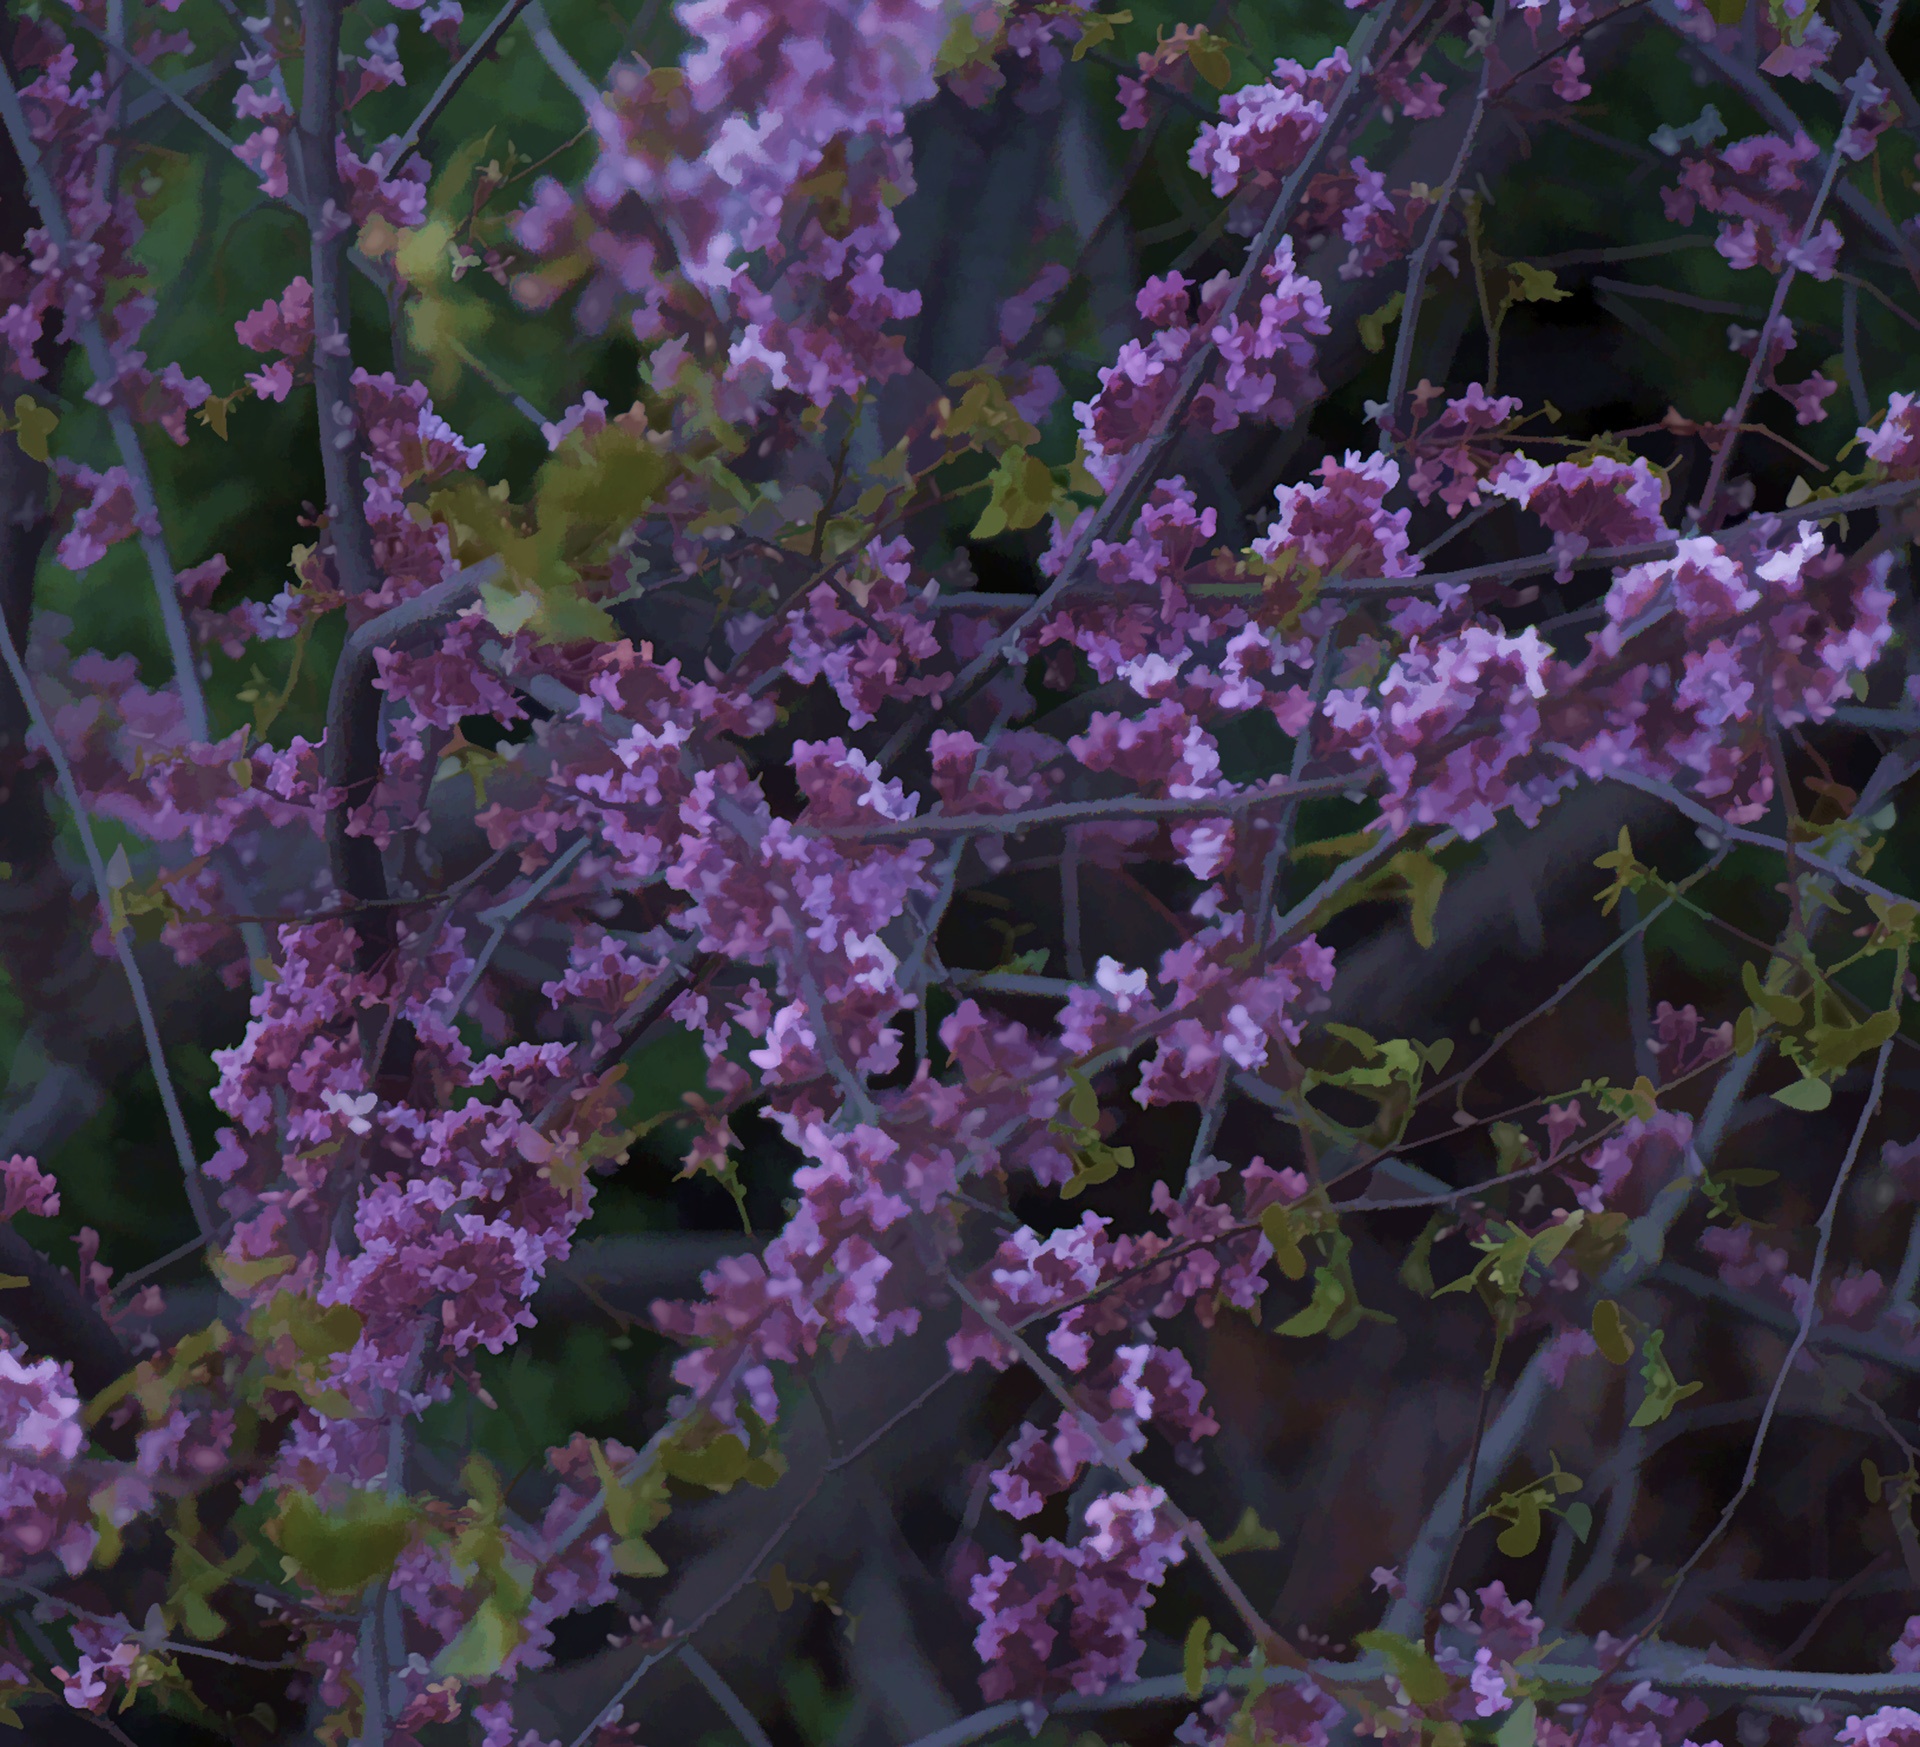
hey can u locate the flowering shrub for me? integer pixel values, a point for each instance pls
(960, 749)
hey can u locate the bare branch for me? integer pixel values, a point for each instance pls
(122, 935)
(456, 76)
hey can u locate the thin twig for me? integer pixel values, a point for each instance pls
(1809, 1312)
(1531, 1390)
(564, 67)
(724, 1696)
(1387, 416)
(100, 360)
(455, 77)
(227, 1657)
(1750, 384)
(197, 1197)
(502, 917)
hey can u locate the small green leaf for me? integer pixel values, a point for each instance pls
(961, 49)
(1535, 284)
(1610, 1333)
(1373, 328)
(1664, 1391)
(1870, 1473)
(1511, 1147)
(1519, 1727)
(33, 427)
(1835, 1046)
(1023, 492)
(1426, 879)
(1416, 1272)
(1361, 1040)
(1277, 1222)
(1522, 1535)
(1084, 1105)
(632, 1557)
(720, 1465)
(1411, 1665)
(1194, 1658)
(346, 1549)
(509, 611)
(484, 1643)
(1329, 1295)
(1809, 1095)
(1250, 1535)
(1209, 59)
(1782, 1008)
(1096, 29)
(1580, 1519)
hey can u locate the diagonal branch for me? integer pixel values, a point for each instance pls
(122, 935)
(456, 76)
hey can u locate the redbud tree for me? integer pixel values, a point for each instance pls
(893, 872)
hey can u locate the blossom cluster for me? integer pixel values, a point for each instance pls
(726, 740)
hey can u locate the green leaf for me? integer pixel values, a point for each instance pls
(1664, 1391)
(1097, 1163)
(1277, 1222)
(1250, 1535)
(1512, 1149)
(1023, 492)
(633, 1507)
(1411, 1665)
(1416, 1272)
(1580, 1519)
(1209, 59)
(33, 427)
(1834, 1046)
(1522, 1535)
(1096, 29)
(1084, 1105)
(1870, 1473)
(1535, 284)
(1194, 1657)
(1425, 878)
(1809, 1095)
(1727, 12)
(632, 1557)
(1329, 1298)
(1628, 874)
(961, 49)
(1784, 1009)
(484, 1643)
(1373, 328)
(508, 610)
(1518, 1727)
(1361, 1040)
(721, 1465)
(1436, 1055)
(1610, 1333)
(346, 1549)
